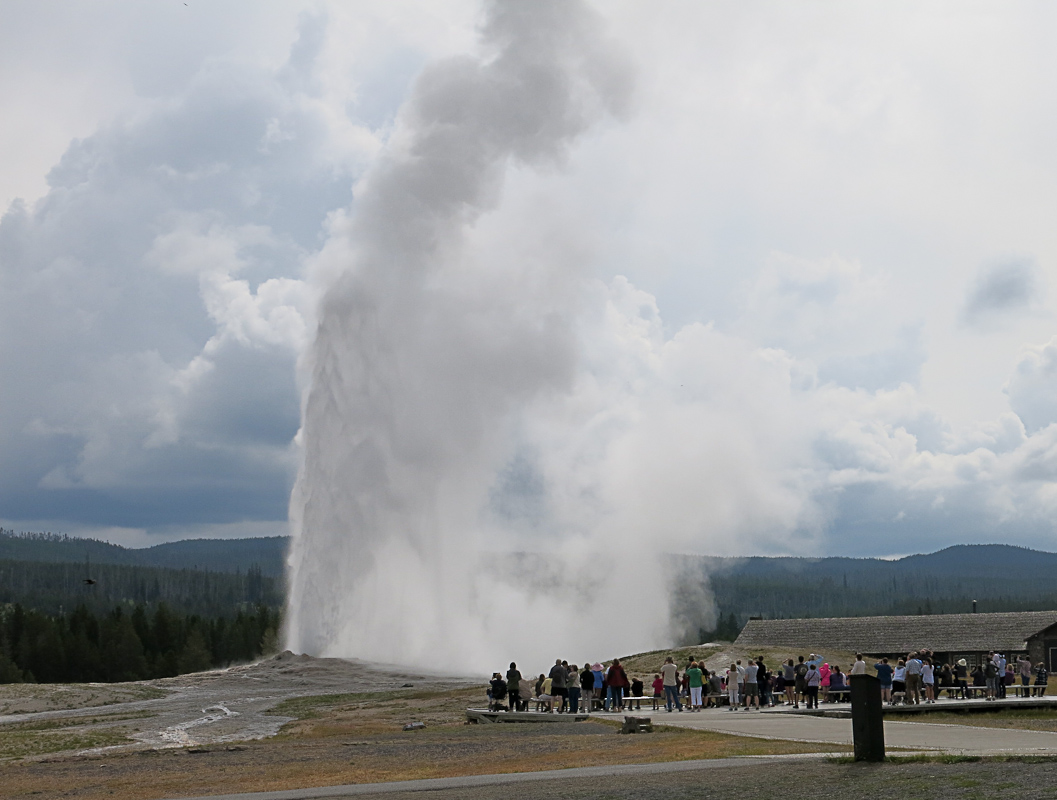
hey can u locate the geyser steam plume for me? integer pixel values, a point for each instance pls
(423, 358)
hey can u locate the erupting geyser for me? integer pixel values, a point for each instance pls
(423, 358)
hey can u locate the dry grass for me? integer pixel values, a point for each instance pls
(25, 698)
(717, 655)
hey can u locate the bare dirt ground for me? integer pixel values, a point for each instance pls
(293, 722)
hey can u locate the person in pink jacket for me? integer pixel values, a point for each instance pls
(823, 681)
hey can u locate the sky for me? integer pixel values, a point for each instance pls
(807, 267)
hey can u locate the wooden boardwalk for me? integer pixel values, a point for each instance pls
(477, 715)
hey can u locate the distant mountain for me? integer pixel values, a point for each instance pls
(214, 555)
(999, 577)
(221, 555)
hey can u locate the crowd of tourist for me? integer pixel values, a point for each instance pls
(918, 678)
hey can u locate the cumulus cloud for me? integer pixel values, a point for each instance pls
(1032, 389)
(773, 346)
(154, 307)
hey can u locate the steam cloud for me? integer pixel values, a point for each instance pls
(427, 362)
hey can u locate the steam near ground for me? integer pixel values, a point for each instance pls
(453, 408)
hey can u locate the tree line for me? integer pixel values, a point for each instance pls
(119, 645)
(57, 587)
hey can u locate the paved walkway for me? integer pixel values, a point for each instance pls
(955, 739)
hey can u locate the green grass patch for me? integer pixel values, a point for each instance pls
(24, 743)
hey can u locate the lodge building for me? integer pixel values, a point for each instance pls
(949, 636)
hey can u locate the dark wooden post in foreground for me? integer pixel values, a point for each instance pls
(867, 718)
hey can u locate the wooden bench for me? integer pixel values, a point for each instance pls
(841, 695)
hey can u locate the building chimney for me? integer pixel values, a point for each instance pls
(974, 606)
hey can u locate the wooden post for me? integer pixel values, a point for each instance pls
(867, 718)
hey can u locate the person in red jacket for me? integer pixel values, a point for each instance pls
(617, 684)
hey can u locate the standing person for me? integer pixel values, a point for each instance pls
(991, 675)
(617, 682)
(732, 687)
(800, 682)
(696, 680)
(859, 667)
(928, 680)
(752, 686)
(789, 677)
(559, 674)
(670, 677)
(587, 687)
(1001, 683)
(513, 687)
(823, 681)
(764, 678)
(741, 681)
(1041, 678)
(812, 685)
(899, 681)
(913, 679)
(884, 675)
(658, 690)
(961, 677)
(1024, 667)
(600, 681)
(572, 686)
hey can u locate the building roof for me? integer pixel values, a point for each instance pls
(943, 633)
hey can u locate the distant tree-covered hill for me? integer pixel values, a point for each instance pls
(998, 577)
(52, 588)
(214, 555)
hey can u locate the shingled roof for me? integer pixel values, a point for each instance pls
(943, 633)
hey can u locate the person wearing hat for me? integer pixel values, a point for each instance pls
(961, 677)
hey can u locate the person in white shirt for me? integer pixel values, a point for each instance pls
(752, 688)
(928, 679)
(670, 674)
(859, 667)
(732, 687)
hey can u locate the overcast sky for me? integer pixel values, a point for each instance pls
(816, 260)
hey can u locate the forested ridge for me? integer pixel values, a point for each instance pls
(125, 645)
(997, 577)
(75, 610)
(215, 555)
(52, 587)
